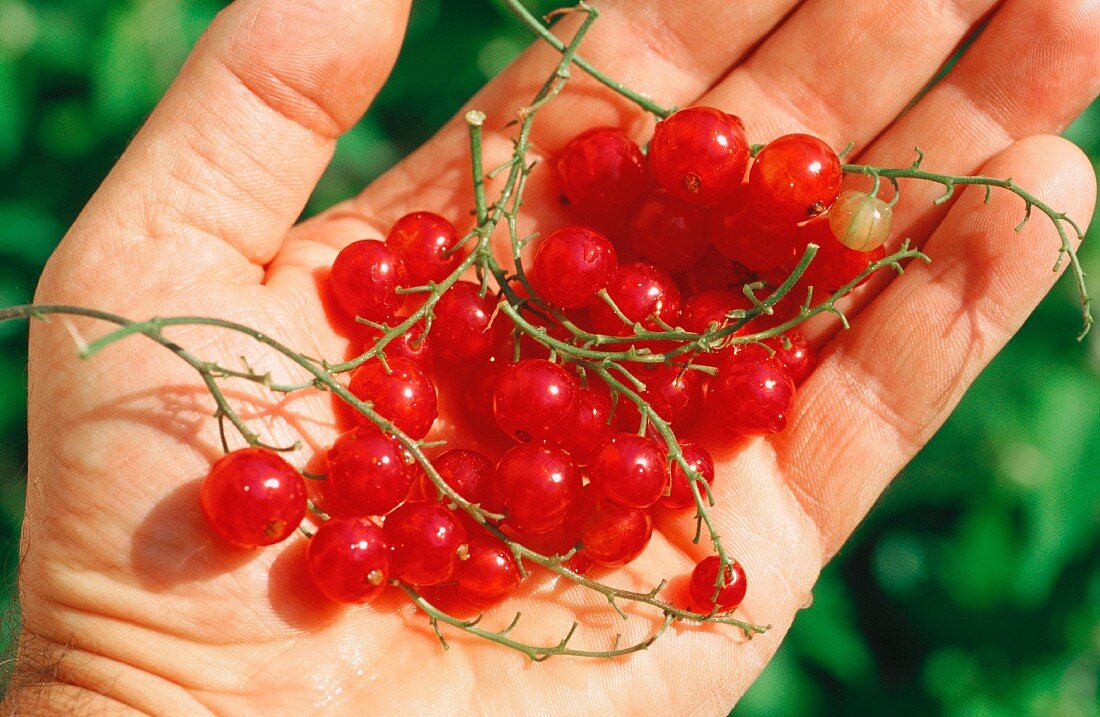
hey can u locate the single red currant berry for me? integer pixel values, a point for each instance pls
(704, 584)
(468, 473)
(859, 221)
(571, 265)
(464, 329)
(489, 574)
(751, 395)
(367, 474)
(668, 233)
(535, 400)
(798, 357)
(413, 345)
(603, 176)
(364, 280)
(538, 487)
(630, 470)
(674, 393)
(427, 541)
(613, 535)
(711, 308)
(591, 428)
(426, 243)
(252, 497)
(740, 234)
(834, 265)
(794, 178)
(642, 292)
(699, 154)
(349, 560)
(405, 395)
(680, 495)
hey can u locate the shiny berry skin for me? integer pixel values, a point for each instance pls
(641, 291)
(699, 154)
(668, 233)
(571, 265)
(464, 329)
(468, 473)
(716, 272)
(538, 487)
(704, 582)
(535, 400)
(364, 280)
(740, 234)
(751, 395)
(426, 540)
(423, 240)
(709, 307)
(412, 345)
(252, 497)
(405, 395)
(367, 474)
(630, 471)
(613, 535)
(794, 178)
(675, 394)
(679, 495)
(591, 427)
(859, 221)
(489, 574)
(799, 357)
(349, 560)
(603, 176)
(834, 265)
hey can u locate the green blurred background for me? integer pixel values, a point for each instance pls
(974, 587)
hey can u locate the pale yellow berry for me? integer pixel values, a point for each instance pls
(860, 221)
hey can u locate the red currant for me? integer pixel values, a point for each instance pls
(413, 345)
(489, 574)
(426, 540)
(751, 395)
(716, 272)
(468, 473)
(680, 495)
(349, 560)
(641, 292)
(535, 400)
(367, 474)
(630, 470)
(799, 357)
(426, 243)
(674, 393)
(538, 487)
(704, 583)
(603, 176)
(699, 154)
(668, 233)
(613, 535)
(405, 395)
(591, 428)
(740, 234)
(711, 307)
(364, 280)
(252, 497)
(794, 178)
(571, 265)
(464, 329)
(834, 265)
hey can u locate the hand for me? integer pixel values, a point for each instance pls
(129, 602)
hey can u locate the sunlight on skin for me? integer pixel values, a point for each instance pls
(139, 606)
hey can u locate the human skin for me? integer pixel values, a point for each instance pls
(130, 605)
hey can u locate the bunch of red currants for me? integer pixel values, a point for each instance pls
(663, 245)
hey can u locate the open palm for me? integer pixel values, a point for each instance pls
(130, 603)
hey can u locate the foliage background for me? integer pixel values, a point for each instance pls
(972, 589)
